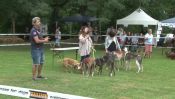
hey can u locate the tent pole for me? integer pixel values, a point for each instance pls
(116, 25)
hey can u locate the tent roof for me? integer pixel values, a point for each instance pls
(138, 17)
(168, 22)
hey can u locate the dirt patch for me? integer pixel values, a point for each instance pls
(10, 40)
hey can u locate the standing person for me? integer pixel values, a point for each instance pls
(111, 42)
(134, 43)
(148, 43)
(57, 37)
(85, 43)
(123, 39)
(141, 40)
(119, 33)
(37, 50)
(173, 43)
(96, 34)
(129, 40)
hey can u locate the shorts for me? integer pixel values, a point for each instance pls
(37, 56)
(148, 48)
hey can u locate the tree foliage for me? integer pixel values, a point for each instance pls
(15, 15)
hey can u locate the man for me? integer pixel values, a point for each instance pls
(57, 37)
(37, 50)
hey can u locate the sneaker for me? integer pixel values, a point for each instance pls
(41, 77)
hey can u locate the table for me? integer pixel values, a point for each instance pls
(56, 51)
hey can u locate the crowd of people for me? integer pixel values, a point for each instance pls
(134, 41)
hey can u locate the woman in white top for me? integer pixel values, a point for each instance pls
(85, 43)
(111, 42)
(148, 43)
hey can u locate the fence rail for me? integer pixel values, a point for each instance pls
(24, 34)
(65, 35)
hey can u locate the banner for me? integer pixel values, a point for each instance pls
(33, 93)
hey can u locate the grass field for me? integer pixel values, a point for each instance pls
(156, 82)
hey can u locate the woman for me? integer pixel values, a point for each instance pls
(85, 43)
(148, 43)
(111, 42)
(111, 47)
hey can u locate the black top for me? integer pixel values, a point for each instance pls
(112, 47)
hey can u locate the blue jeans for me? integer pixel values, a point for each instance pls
(57, 42)
(37, 56)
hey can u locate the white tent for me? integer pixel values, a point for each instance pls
(138, 17)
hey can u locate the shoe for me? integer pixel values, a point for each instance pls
(41, 77)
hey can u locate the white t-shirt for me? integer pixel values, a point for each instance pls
(148, 39)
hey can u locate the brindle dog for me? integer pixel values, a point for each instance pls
(111, 63)
(100, 62)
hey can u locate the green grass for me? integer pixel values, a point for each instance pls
(156, 82)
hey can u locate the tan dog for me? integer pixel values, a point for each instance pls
(88, 66)
(120, 56)
(71, 63)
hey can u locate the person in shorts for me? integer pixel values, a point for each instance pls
(37, 50)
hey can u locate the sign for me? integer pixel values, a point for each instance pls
(33, 93)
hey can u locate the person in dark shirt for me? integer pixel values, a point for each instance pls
(37, 50)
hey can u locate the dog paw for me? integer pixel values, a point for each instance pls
(137, 72)
(92, 74)
(110, 74)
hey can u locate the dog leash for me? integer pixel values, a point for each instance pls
(93, 52)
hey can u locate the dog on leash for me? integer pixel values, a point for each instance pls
(111, 62)
(120, 55)
(71, 64)
(88, 66)
(100, 62)
(138, 58)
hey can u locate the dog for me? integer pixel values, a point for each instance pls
(120, 55)
(137, 57)
(71, 64)
(100, 62)
(111, 62)
(88, 66)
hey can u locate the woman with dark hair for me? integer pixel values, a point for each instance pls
(85, 43)
(111, 42)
